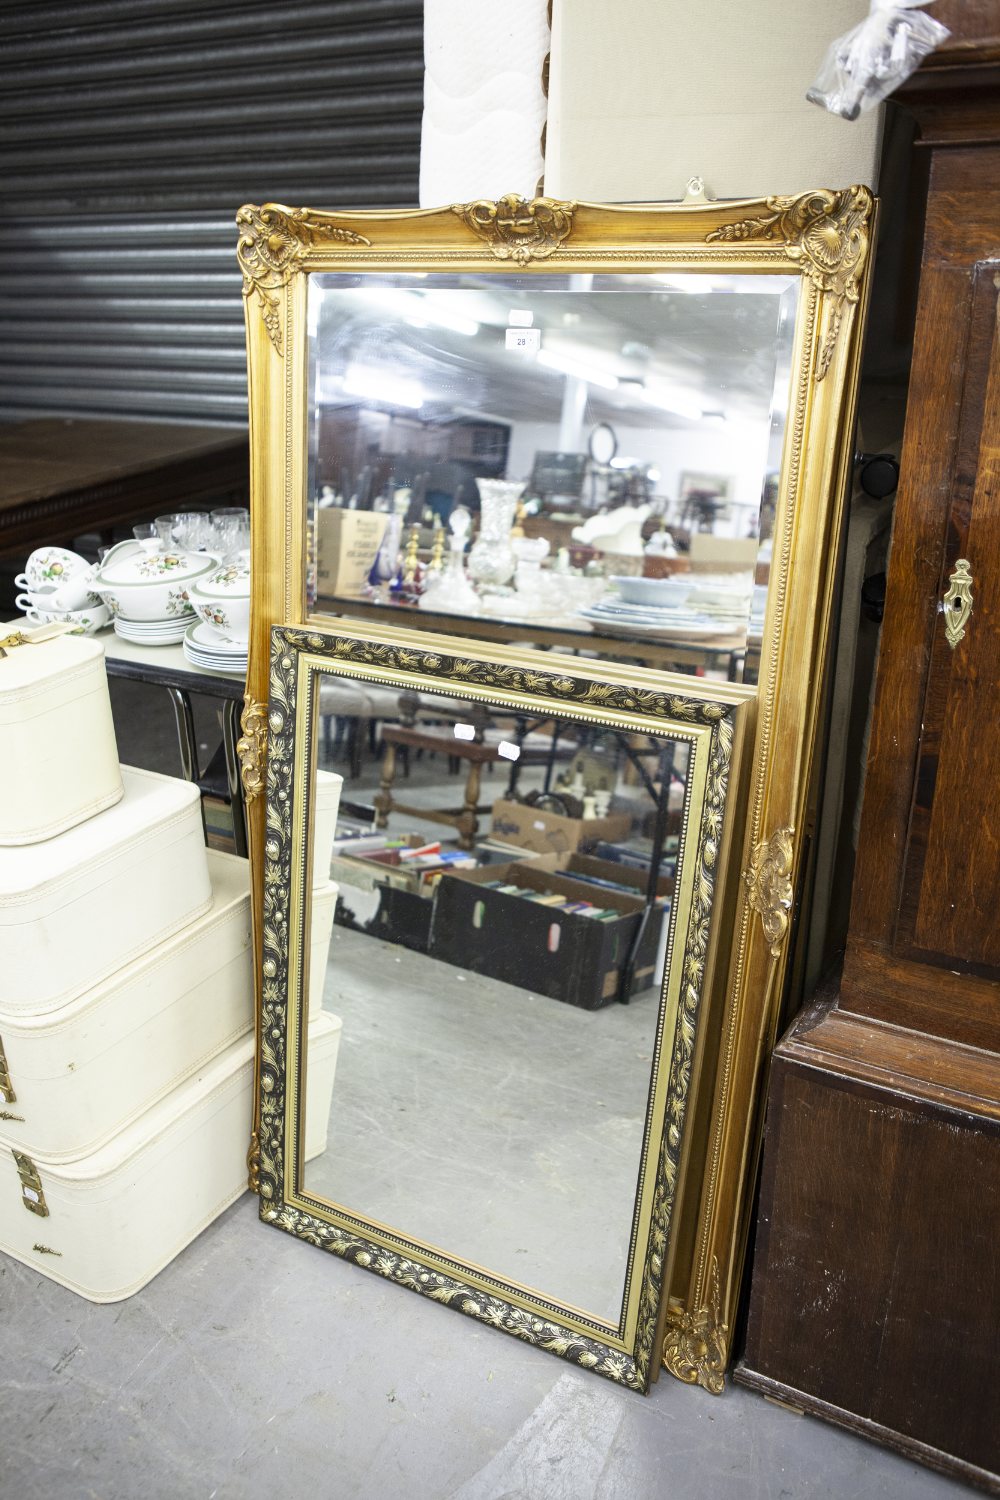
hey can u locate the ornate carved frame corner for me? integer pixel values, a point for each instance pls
(822, 237)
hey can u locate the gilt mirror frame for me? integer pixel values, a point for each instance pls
(710, 720)
(822, 237)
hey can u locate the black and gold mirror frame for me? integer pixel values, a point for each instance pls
(708, 722)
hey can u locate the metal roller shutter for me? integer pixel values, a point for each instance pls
(132, 131)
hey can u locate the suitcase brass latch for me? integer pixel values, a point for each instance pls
(32, 1194)
(7, 1094)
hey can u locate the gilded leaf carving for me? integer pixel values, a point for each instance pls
(769, 884)
(271, 244)
(695, 1343)
(251, 747)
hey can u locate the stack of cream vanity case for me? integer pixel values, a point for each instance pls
(126, 991)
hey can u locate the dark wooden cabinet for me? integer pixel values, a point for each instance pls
(875, 1296)
(924, 946)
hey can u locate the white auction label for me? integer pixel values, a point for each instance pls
(524, 340)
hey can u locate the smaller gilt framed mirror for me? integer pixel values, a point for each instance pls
(477, 1073)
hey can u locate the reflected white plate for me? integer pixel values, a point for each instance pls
(658, 629)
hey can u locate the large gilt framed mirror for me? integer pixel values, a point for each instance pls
(616, 438)
(477, 1073)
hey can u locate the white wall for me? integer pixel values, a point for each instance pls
(644, 94)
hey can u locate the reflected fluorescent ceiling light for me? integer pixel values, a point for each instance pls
(552, 359)
(434, 316)
(376, 384)
(669, 398)
(420, 311)
(691, 281)
(742, 284)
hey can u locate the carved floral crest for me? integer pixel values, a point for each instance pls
(518, 230)
(828, 234)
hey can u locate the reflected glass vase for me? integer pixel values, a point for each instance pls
(491, 557)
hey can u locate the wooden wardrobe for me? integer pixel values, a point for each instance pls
(875, 1297)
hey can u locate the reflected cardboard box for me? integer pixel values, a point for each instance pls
(390, 896)
(552, 833)
(347, 542)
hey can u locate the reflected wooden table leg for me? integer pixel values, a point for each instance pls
(383, 797)
(468, 820)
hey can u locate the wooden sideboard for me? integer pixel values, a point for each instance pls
(62, 476)
(875, 1297)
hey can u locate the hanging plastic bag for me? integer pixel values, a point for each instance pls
(864, 65)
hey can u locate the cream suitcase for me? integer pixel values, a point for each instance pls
(324, 904)
(104, 1225)
(72, 1078)
(57, 738)
(83, 904)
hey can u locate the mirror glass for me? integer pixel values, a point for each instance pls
(490, 920)
(581, 461)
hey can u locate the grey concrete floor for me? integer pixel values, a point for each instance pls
(257, 1366)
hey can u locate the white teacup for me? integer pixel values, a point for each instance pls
(84, 621)
(50, 567)
(75, 593)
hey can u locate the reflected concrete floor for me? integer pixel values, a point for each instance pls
(505, 1128)
(257, 1366)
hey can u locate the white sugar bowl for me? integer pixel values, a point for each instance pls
(146, 581)
(221, 598)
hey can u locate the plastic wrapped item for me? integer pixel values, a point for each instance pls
(863, 66)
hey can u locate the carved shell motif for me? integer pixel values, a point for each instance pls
(516, 229)
(828, 234)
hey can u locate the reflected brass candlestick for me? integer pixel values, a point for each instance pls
(410, 561)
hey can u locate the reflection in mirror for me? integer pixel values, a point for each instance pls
(582, 461)
(491, 916)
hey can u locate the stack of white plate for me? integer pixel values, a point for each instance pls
(634, 622)
(153, 632)
(203, 648)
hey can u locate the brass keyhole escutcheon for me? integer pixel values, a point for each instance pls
(957, 603)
